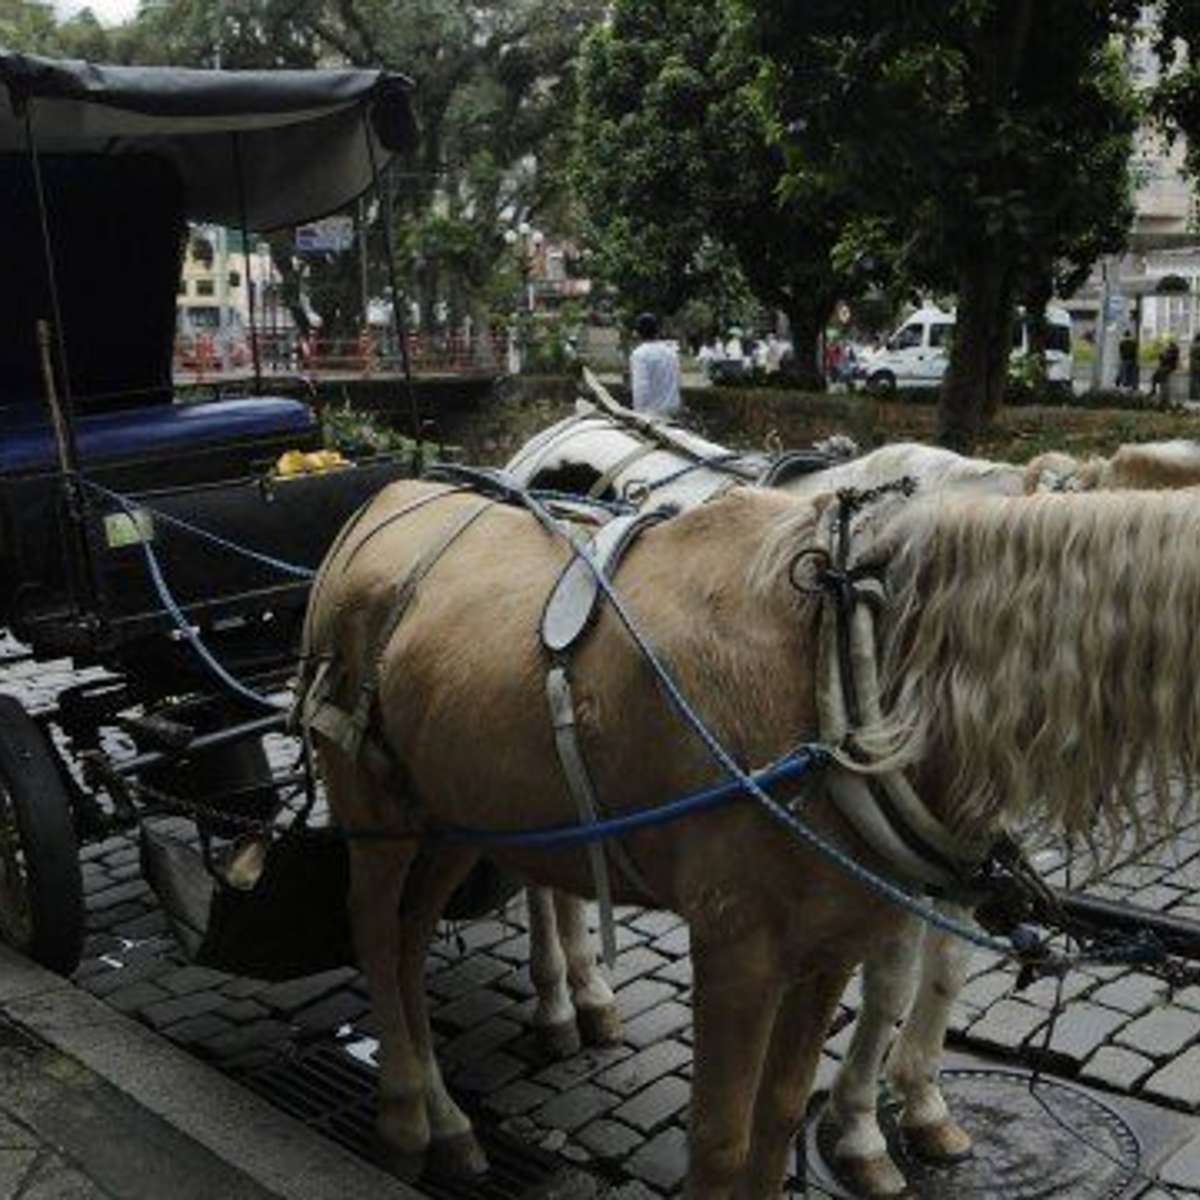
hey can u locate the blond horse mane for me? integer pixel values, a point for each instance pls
(1044, 648)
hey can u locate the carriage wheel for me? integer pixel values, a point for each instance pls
(41, 883)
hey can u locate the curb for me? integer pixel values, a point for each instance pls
(277, 1152)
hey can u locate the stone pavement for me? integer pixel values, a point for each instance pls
(623, 1110)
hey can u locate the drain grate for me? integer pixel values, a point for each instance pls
(335, 1094)
(1066, 1146)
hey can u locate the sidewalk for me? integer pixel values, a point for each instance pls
(93, 1105)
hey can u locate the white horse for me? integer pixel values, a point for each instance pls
(914, 977)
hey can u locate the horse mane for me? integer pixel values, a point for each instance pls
(1043, 648)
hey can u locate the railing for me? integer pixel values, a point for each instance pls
(204, 356)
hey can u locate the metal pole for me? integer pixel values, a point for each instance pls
(241, 188)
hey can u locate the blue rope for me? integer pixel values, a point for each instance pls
(794, 766)
(890, 891)
(191, 635)
(718, 463)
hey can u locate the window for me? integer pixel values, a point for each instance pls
(1058, 337)
(940, 333)
(204, 287)
(235, 279)
(183, 287)
(907, 337)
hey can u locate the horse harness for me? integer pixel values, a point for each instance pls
(570, 611)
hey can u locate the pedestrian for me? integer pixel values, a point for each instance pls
(653, 370)
(1127, 369)
(1160, 381)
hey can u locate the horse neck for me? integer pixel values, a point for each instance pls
(1041, 648)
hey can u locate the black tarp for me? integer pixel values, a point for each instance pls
(301, 136)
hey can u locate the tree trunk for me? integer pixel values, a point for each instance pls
(973, 389)
(806, 323)
(1037, 295)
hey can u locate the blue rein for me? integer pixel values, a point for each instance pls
(796, 765)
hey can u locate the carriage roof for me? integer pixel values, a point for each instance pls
(295, 141)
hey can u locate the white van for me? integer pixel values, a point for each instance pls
(918, 353)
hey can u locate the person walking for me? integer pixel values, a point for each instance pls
(653, 370)
(1127, 370)
(1160, 381)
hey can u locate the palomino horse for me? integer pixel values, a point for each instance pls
(1026, 643)
(594, 447)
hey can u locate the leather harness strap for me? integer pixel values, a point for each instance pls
(570, 609)
(623, 463)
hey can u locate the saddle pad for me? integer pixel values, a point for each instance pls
(574, 598)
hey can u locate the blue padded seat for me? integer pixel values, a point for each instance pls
(153, 432)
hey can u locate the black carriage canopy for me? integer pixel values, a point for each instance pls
(295, 141)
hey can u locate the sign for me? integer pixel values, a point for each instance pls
(1116, 308)
(332, 235)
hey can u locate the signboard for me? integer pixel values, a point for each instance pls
(1116, 308)
(331, 235)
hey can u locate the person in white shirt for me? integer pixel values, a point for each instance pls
(653, 370)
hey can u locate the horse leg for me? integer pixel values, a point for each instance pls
(861, 1154)
(915, 1062)
(596, 1010)
(736, 994)
(801, 1024)
(454, 1151)
(554, 1016)
(377, 874)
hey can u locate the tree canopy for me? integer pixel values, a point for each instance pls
(991, 133)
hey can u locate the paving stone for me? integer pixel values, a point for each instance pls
(1081, 1029)
(518, 1097)
(240, 989)
(984, 990)
(609, 1140)
(662, 1161)
(645, 1067)
(1158, 897)
(486, 1074)
(329, 1015)
(643, 994)
(575, 1108)
(656, 1106)
(679, 972)
(471, 1009)
(1049, 993)
(1007, 1024)
(150, 925)
(1117, 1068)
(658, 1024)
(1132, 994)
(296, 993)
(107, 918)
(1160, 1033)
(566, 1074)
(481, 1040)
(192, 979)
(1178, 1082)
(118, 893)
(136, 996)
(239, 1012)
(1182, 1170)
(467, 975)
(259, 1035)
(674, 944)
(481, 935)
(198, 1029)
(655, 922)
(514, 949)
(148, 970)
(635, 963)
(181, 1008)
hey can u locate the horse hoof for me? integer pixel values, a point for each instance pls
(559, 1041)
(600, 1026)
(456, 1158)
(874, 1178)
(941, 1142)
(407, 1166)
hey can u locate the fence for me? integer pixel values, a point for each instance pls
(370, 354)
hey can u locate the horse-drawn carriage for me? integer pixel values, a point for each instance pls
(141, 533)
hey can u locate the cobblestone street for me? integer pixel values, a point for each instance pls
(623, 1110)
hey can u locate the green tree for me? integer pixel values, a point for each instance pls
(673, 163)
(971, 126)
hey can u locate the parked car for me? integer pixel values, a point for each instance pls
(918, 353)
